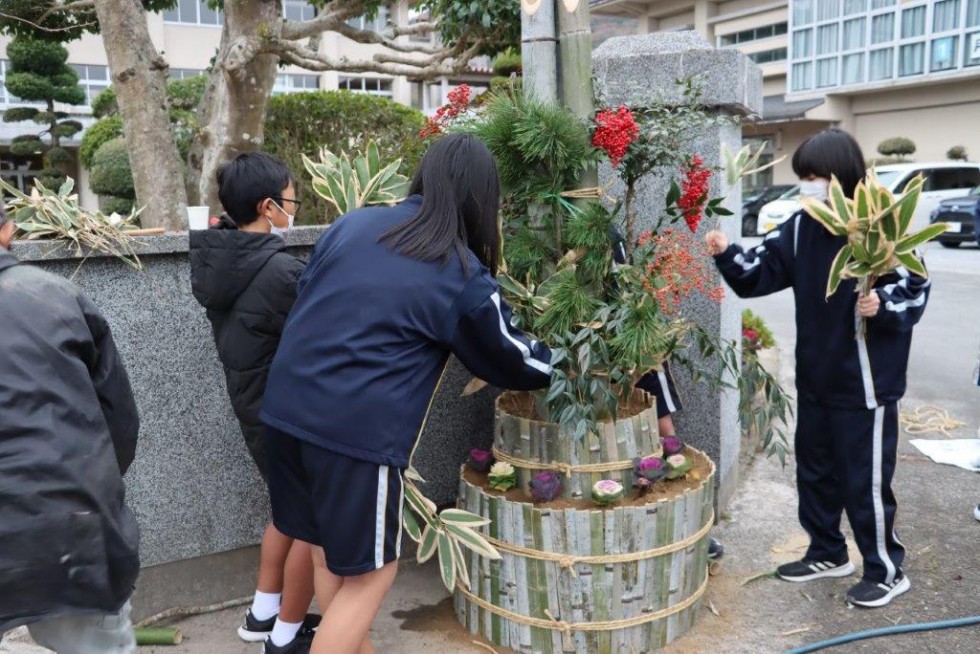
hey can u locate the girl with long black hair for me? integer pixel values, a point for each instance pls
(388, 294)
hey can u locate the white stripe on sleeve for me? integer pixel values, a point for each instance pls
(524, 349)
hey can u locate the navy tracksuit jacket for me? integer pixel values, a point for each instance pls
(848, 387)
(369, 336)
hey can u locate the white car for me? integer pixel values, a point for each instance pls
(779, 210)
(943, 180)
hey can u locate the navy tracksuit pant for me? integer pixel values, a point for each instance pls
(845, 460)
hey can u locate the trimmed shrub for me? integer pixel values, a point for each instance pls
(111, 204)
(957, 153)
(506, 63)
(898, 146)
(110, 172)
(101, 132)
(302, 123)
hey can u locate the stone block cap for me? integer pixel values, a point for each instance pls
(639, 70)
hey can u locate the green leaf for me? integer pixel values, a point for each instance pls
(909, 243)
(673, 193)
(428, 544)
(447, 562)
(723, 211)
(838, 200)
(862, 201)
(470, 539)
(824, 215)
(837, 267)
(464, 518)
(412, 527)
(413, 474)
(910, 261)
(907, 211)
(903, 209)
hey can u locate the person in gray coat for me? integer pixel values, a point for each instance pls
(69, 546)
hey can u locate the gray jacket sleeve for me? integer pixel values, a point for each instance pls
(111, 385)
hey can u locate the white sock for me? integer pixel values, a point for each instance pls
(284, 632)
(265, 605)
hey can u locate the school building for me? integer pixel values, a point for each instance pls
(877, 68)
(189, 35)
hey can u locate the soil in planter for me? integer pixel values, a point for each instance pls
(522, 405)
(700, 469)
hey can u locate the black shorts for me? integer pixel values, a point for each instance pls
(661, 385)
(351, 508)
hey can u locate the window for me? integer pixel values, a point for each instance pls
(193, 12)
(944, 53)
(878, 4)
(94, 79)
(802, 12)
(881, 64)
(5, 98)
(971, 54)
(415, 16)
(828, 9)
(287, 83)
(855, 7)
(756, 34)
(911, 59)
(802, 44)
(827, 39)
(827, 72)
(882, 28)
(802, 76)
(853, 69)
(373, 85)
(973, 13)
(378, 24)
(298, 10)
(913, 22)
(951, 179)
(854, 33)
(768, 56)
(184, 73)
(946, 15)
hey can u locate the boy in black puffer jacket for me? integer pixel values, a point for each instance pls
(242, 274)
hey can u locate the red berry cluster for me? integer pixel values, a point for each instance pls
(459, 102)
(694, 192)
(678, 268)
(615, 130)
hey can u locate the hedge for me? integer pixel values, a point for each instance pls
(110, 172)
(302, 123)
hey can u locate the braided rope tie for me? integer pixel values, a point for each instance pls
(568, 627)
(566, 468)
(569, 561)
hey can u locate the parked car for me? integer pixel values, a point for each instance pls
(944, 180)
(962, 215)
(754, 202)
(779, 210)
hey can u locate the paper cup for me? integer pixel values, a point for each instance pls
(197, 217)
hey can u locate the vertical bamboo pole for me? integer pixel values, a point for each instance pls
(539, 52)
(575, 66)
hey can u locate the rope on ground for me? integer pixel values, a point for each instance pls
(927, 419)
(186, 612)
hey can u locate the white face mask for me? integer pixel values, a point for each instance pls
(282, 231)
(815, 188)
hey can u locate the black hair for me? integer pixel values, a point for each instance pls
(247, 180)
(460, 191)
(831, 152)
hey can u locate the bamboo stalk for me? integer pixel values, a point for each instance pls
(158, 636)
(575, 66)
(539, 50)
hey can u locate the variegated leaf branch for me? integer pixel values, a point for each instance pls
(351, 184)
(446, 533)
(876, 225)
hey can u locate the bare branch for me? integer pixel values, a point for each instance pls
(385, 64)
(51, 30)
(71, 6)
(327, 21)
(370, 37)
(415, 28)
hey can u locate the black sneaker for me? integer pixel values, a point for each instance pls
(807, 570)
(310, 623)
(872, 595)
(254, 630)
(976, 512)
(715, 549)
(299, 645)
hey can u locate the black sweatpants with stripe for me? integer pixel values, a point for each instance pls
(845, 460)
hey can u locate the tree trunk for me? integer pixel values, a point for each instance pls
(575, 71)
(233, 113)
(139, 75)
(539, 56)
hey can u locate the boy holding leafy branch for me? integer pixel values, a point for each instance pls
(851, 356)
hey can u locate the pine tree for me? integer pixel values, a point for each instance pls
(38, 74)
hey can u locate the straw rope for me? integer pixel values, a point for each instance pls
(569, 561)
(566, 468)
(568, 627)
(927, 418)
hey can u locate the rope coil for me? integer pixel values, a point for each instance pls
(569, 561)
(568, 627)
(566, 468)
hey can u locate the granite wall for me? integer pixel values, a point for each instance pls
(193, 486)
